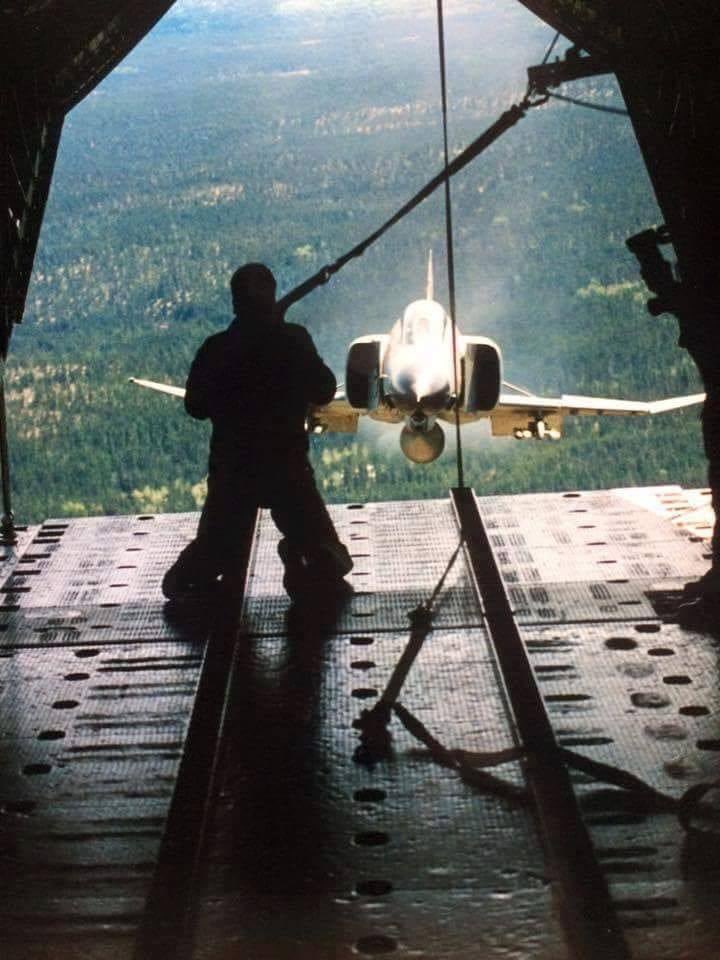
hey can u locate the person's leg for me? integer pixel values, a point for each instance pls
(222, 537)
(195, 570)
(711, 440)
(710, 582)
(700, 609)
(310, 542)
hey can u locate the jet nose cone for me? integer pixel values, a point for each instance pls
(404, 382)
(404, 385)
(434, 396)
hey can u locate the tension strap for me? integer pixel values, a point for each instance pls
(504, 122)
(472, 766)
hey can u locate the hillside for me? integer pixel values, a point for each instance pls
(286, 134)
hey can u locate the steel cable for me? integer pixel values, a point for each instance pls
(449, 245)
(504, 122)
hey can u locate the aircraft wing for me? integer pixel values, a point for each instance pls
(515, 412)
(160, 387)
(334, 417)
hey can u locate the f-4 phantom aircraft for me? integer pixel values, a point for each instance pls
(407, 377)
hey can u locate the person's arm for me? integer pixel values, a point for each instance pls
(199, 386)
(318, 378)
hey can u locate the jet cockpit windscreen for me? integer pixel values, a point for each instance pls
(418, 362)
(423, 321)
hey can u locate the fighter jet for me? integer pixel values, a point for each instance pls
(416, 376)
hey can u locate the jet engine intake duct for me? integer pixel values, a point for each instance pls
(422, 445)
(482, 375)
(362, 373)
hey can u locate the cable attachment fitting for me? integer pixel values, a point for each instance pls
(375, 736)
(533, 98)
(421, 618)
(575, 65)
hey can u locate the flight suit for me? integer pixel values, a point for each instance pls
(254, 381)
(700, 609)
(703, 345)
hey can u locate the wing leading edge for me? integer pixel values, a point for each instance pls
(511, 416)
(514, 411)
(334, 417)
(160, 387)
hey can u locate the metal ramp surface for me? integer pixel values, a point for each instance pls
(444, 871)
(306, 853)
(96, 692)
(340, 860)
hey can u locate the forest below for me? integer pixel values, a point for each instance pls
(288, 138)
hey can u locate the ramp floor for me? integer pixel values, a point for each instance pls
(307, 853)
(96, 690)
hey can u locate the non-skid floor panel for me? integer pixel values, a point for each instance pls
(400, 551)
(590, 557)
(644, 693)
(601, 538)
(601, 561)
(588, 601)
(315, 855)
(90, 742)
(642, 697)
(507, 922)
(98, 561)
(97, 581)
(98, 625)
(312, 854)
(616, 517)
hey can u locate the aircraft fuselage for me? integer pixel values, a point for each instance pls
(417, 377)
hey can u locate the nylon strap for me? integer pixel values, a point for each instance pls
(504, 122)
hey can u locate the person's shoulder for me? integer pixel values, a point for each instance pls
(297, 334)
(215, 341)
(295, 329)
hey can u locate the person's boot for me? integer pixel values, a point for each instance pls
(295, 576)
(708, 583)
(700, 606)
(331, 561)
(177, 587)
(320, 577)
(701, 614)
(326, 570)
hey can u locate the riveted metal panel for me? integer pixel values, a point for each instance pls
(400, 551)
(628, 689)
(315, 855)
(590, 557)
(97, 685)
(312, 854)
(90, 741)
(644, 698)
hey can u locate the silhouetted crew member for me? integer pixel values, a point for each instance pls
(254, 381)
(701, 609)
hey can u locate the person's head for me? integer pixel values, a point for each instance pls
(253, 289)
